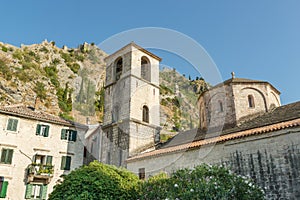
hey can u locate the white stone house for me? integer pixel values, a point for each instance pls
(36, 148)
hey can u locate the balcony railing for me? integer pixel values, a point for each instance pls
(40, 169)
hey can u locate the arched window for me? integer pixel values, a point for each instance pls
(251, 101)
(221, 109)
(119, 68)
(145, 68)
(145, 114)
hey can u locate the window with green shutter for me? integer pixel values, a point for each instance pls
(49, 160)
(64, 135)
(36, 191)
(3, 189)
(67, 134)
(65, 163)
(42, 130)
(73, 136)
(12, 124)
(44, 191)
(6, 156)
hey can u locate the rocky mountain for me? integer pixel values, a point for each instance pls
(69, 82)
(179, 97)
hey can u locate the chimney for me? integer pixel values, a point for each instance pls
(36, 103)
(232, 75)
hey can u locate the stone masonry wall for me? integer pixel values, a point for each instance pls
(271, 159)
(265, 98)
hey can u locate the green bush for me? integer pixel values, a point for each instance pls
(100, 181)
(75, 67)
(67, 57)
(56, 61)
(97, 181)
(79, 57)
(51, 73)
(29, 65)
(4, 48)
(40, 90)
(23, 76)
(202, 182)
(66, 116)
(44, 49)
(18, 55)
(5, 70)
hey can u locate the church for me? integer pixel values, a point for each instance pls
(242, 126)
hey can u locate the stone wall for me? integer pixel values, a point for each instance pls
(235, 106)
(124, 102)
(265, 98)
(271, 159)
(211, 114)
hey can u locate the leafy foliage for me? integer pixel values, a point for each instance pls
(97, 181)
(100, 181)
(202, 182)
(4, 48)
(5, 71)
(40, 90)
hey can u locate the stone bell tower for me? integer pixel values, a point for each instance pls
(131, 118)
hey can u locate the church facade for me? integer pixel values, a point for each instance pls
(242, 125)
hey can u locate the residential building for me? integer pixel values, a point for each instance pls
(36, 148)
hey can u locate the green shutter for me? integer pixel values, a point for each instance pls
(38, 129)
(9, 156)
(44, 191)
(68, 163)
(63, 134)
(3, 155)
(47, 131)
(49, 160)
(63, 163)
(9, 124)
(28, 191)
(4, 189)
(15, 125)
(74, 136)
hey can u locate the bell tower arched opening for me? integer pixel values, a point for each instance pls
(145, 69)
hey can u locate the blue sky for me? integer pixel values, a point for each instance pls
(255, 39)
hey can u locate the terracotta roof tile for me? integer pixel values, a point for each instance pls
(30, 113)
(222, 138)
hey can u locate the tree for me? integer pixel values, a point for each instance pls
(202, 182)
(81, 96)
(99, 102)
(97, 181)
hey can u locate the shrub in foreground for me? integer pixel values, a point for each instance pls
(100, 181)
(97, 181)
(202, 182)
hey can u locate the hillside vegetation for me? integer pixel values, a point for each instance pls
(69, 82)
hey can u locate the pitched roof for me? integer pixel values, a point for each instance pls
(139, 48)
(31, 113)
(280, 118)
